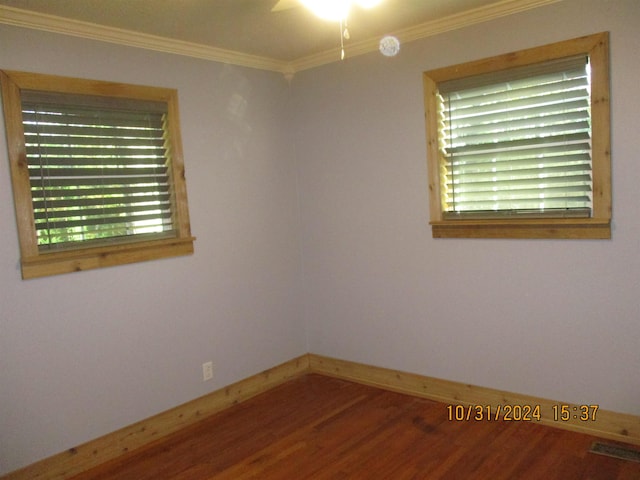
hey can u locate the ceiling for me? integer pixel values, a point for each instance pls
(247, 32)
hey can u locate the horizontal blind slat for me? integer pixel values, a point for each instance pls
(72, 102)
(496, 181)
(549, 103)
(52, 216)
(88, 201)
(98, 169)
(579, 140)
(535, 213)
(488, 165)
(551, 151)
(37, 118)
(44, 142)
(146, 175)
(97, 131)
(551, 191)
(38, 153)
(524, 182)
(532, 113)
(498, 124)
(91, 182)
(125, 221)
(560, 200)
(535, 93)
(530, 132)
(524, 73)
(46, 192)
(532, 207)
(64, 161)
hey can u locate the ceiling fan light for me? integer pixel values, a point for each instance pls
(334, 10)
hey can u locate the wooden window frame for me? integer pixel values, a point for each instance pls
(36, 263)
(598, 226)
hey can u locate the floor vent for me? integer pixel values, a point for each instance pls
(616, 451)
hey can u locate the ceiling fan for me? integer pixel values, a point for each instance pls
(336, 10)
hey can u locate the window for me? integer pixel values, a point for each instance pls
(97, 172)
(518, 145)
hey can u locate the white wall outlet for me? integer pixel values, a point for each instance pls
(207, 371)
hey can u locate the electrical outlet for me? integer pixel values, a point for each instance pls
(207, 371)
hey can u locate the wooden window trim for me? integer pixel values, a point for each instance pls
(596, 227)
(36, 263)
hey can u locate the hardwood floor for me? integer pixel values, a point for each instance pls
(321, 428)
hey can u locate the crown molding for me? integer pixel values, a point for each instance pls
(51, 23)
(499, 9)
(428, 29)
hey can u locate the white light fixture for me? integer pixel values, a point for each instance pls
(389, 46)
(336, 10)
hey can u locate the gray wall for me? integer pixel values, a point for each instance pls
(552, 318)
(84, 354)
(311, 211)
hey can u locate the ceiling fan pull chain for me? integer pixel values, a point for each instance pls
(341, 41)
(344, 35)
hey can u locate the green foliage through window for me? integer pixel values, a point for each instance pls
(96, 172)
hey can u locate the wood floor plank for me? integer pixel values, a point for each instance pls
(321, 428)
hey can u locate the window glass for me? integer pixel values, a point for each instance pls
(517, 146)
(102, 183)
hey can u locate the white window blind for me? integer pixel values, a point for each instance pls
(98, 168)
(517, 142)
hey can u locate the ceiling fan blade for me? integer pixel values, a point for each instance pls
(285, 5)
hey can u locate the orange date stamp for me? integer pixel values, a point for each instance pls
(480, 413)
(521, 413)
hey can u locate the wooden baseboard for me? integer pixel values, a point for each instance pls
(81, 458)
(607, 424)
(610, 425)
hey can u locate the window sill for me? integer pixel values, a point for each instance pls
(578, 228)
(54, 263)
